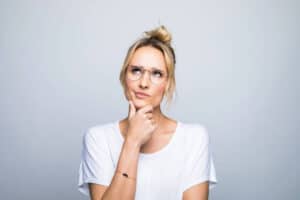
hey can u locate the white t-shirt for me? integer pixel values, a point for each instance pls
(185, 161)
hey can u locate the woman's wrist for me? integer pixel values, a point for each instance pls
(132, 143)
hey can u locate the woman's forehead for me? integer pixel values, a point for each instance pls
(148, 58)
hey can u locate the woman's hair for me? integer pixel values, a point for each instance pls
(158, 38)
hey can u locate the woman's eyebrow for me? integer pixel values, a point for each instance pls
(152, 68)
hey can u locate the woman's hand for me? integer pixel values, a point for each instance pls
(140, 124)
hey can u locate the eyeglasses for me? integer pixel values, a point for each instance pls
(135, 73)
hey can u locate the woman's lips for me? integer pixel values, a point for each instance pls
(141, 95)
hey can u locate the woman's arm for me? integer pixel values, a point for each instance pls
(140, 129)
(197, 192)
(120, 187)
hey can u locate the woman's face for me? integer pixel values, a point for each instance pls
(146, 74)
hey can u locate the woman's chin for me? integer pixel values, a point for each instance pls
(138, 103)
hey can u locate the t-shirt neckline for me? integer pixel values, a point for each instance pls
(156, 153)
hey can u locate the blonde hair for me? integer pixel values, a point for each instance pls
(159, 38)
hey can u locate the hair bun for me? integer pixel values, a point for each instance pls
(161, 34)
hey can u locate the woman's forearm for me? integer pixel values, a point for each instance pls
(122, 187)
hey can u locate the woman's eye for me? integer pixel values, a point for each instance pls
(157, 74)
(135, 70)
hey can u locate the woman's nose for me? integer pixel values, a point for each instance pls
(144, 81)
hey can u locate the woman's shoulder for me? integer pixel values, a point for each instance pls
(194, 130)
(100, 130)
(192, 127)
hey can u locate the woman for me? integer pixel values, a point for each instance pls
(147, 155)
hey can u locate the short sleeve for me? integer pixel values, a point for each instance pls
(96, 165)
(199, 165)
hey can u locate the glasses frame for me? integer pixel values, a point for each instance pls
(143, 70)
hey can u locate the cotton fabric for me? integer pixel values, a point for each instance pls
(185, 161)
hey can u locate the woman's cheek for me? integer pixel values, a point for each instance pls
(161, 89)
(127, 90)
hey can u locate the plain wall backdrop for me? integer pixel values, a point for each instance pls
(237, 74)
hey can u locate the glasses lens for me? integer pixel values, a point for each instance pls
(134, 73)
(157, 76)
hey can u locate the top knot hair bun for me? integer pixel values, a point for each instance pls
(161, 34)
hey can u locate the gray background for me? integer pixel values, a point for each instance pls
(237, 73)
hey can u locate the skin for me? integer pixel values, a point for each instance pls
(146, 129)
